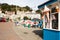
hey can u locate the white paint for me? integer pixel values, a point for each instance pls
(59, 20)
(44, 22)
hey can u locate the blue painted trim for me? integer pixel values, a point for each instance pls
(51, 34)
(47, 3)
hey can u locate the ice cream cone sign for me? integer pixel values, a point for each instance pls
(46, 9)
(46, 17)
(46, 12)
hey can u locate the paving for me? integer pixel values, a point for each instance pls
(7, 32)
(28, 33)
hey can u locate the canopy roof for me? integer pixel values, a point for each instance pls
(47, 3)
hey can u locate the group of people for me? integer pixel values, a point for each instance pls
(3, 17)
(33, 24)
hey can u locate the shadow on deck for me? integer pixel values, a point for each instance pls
(39, 33)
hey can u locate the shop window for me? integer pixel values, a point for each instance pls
(51, 20)
(55, 21)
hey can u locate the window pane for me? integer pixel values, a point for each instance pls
(55, 21)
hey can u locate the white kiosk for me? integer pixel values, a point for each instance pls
(51, 24)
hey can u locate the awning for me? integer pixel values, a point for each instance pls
(47, 3)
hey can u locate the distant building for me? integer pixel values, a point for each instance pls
(10, 12)
(28, 14)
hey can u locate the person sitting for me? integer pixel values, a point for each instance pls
(40, 23)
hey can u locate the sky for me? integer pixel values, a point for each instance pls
(31, 3)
